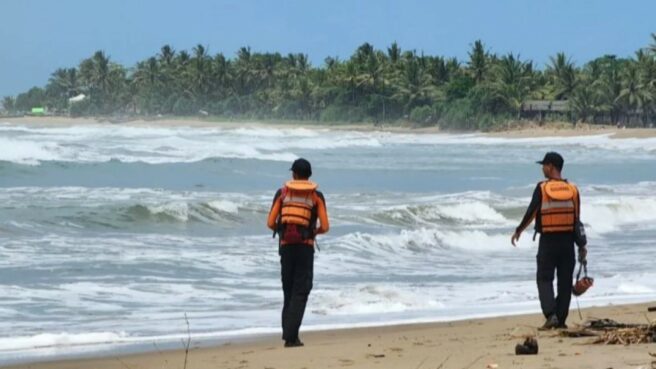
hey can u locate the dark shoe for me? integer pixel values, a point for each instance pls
(551, 323)
(562, 326)
(294, 343)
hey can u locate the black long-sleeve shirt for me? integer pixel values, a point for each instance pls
(532, 211)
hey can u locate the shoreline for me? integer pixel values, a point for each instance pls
(529, 130)
(454, 344)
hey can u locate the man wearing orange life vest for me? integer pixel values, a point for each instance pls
(296, 208)
(555, 207)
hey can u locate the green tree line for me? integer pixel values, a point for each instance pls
(372, 85)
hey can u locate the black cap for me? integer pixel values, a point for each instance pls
(553, 158)
(302, 168)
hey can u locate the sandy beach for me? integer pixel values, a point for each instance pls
(528, 131)
(479, 343)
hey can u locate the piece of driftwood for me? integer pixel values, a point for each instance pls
(628, 336)
(610, 332)
(577, 333)
(602, 324)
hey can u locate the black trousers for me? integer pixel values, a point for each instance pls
(297, 265)
(556, 258)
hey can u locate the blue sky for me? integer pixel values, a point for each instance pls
(38, 36)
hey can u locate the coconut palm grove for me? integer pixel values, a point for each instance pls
(389, 85)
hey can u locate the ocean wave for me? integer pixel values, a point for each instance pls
(35, 210)
(611, 214)
(425, 241)
(206, 212)
(601, 141)
(464, 212)
(603, 210)
(32, 145)
(157, 145)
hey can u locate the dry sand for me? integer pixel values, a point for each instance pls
(467, 344)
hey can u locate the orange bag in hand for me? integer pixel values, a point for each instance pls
(582, 284)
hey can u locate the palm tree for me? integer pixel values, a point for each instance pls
(394, 53)
(478, 61)
(62, 85)
(514, 80)
(98, 77)
(414, 87)
(302, 93)
(200, 74)
(438, 70)
(564, 73)
(350, 77)
(363, 53)
(148, 81)
(8, 103)
(609, 86)
(652, 47)
(634, 95)
(583, 102)
(220, 67)
(166, 55)
(243, 73)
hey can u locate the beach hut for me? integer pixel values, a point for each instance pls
(540, 109)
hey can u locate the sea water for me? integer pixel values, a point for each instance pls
(116, 236)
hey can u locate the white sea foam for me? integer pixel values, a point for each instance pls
(609, 214)
(604, 141)
(26, 152)
(48, 340)
(101, 143)
(373, 299)
(465, 212)
(225, 206)
(176, 210)
(157, 145)
(426, 240)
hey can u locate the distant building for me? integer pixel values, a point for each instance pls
(539, 109)
(77, 98)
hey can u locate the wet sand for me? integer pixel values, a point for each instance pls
(479, 343)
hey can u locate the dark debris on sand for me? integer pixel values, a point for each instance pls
(610, 332)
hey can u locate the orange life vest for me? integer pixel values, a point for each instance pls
(559, 210)
(297, 203)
